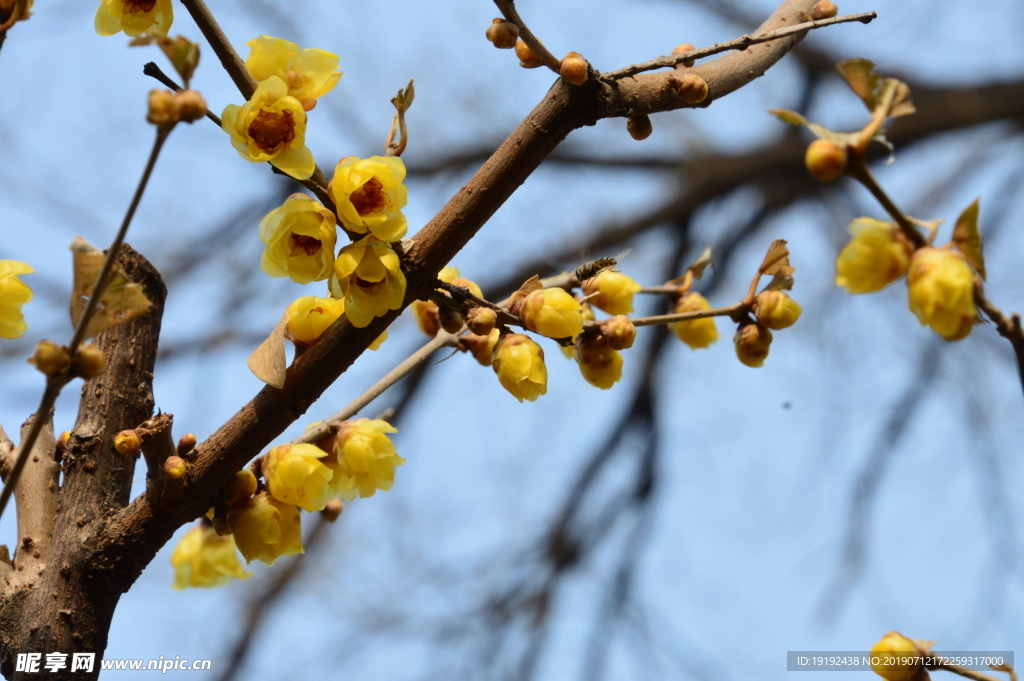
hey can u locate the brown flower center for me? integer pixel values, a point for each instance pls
(272, 130)
(139, 5)
(370, 288)
(308, 244)
(370, 198)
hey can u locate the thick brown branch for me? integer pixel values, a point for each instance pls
(35, 499)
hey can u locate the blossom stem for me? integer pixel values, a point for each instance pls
(859, 171)
(55, 383)
(731, 311)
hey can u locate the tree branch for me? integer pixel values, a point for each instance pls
(36, 500)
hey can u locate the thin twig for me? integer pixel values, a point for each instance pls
(859, 171)
(55, 383)
(508, 10)
(730, 311)
(741, 43)
(660, 290)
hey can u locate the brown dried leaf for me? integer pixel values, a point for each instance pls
(530, 285)
(967, 237)
(701, 263)
(122, 299)
(862, 78)
(777, 260)
(787, 116)
(780, 282)
(268, 361)
(404, 99)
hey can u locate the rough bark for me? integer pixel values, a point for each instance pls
(68, 608)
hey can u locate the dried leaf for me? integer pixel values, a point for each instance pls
(404, 98)
(787, 116)
(967, 237)
(701, 263)
(182, 52)
(122, 299)
(268, 362)
(780, 282)
(530, 285)
(931, 225)
(777, 260)
(862, 78)
(820, 131)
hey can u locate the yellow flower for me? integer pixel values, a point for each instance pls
(753, 341)
(310, 316)
(271, 127)
(552, 312)
(481, 347)
(300, 236)
(370, 195)
(134, 17)
(519, 363)
(295, 475)
(310, 74)
(697, 333)
(369, 275)
(364, 459)
(204, 559)
(614, 292)
(940, 287)
(265, 528)
(776, 310)
(877, 255)
(13, 294)
(901, 654)
(600, 365)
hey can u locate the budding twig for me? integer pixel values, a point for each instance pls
(508, 10)
(56, 382)
(731, 311)
(741, 43)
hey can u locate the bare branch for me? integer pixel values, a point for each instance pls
(36, 501)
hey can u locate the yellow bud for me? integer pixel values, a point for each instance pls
(175, 467)
(752, 343)
(824, 9)
(600, 364)
(186, 443)
(50, 358)
(242, 485)
(639, 127)
(265, 528)
(552, 312)
(877, 255)
(573, 68)
(481, 320)
(900, 651)
(296, 475)
(519, 364)
(451, 319)
(332, 511)
(683, 49)
(89, 362)
(697, 333)
(128, 442)
(776, 310)
(611, 291)
(481, 347)
(527, 59)
(163, 108)
(309, 317)
(691, 87)
(503, 34)
(825, 160)
(618, 332)
(940, 288)
(191, 105)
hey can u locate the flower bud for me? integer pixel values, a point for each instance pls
(599, 363)
(618, 332)
(191, 105)
(481, 320)
(697, 333)
(683, 49)
(752, 343)
(573, 68)
(296, 475)
(242, 485)
(611, 291)
(309, 317)
(186, 443)
(825, 160)
(128, 442)
(878, 255)
(552, 312)
(519, 364)
(163, 108)
(175, 467)
(503, 34)
(332, 511)
(481, 347)
(691, 87)
(776, 310)
(89, 362)
(940, 290)
(639, 127)
(451, 319)
(824, 9)
(527, 59)
(50, 358)
(893, 657)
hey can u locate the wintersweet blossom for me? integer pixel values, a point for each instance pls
(14, 293)
(697, 333)
(204, 559)
(895, 657)
(600, 365)
(370, 195)
(364, 458)
(134, 17)
(310, 74)
(271, 127)
(552, 312)
(295, 475)
(519, 364)
(300, 236)
(369, 275)
(611, 291)
(776, 310)
(877, 255)
(265, 528)
(940, 291)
